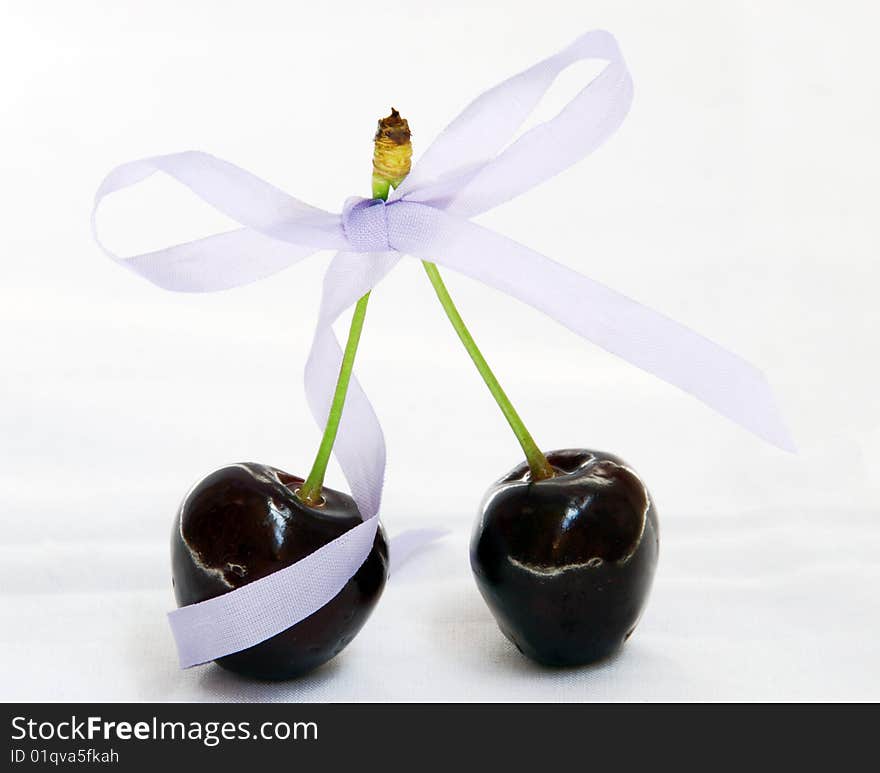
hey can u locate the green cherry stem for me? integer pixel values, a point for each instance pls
(310, 491)
(538, 465)
(392, 151)
(391, 164)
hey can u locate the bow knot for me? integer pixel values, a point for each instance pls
(365, 222)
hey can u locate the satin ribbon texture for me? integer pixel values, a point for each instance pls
(475, 164)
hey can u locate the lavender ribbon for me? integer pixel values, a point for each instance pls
(471, 167)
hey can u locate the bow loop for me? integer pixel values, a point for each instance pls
(478, 161)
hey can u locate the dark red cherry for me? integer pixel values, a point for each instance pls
(566, 564)
(244, 522)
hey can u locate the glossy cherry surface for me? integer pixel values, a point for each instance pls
(566, 564)
(244, 522)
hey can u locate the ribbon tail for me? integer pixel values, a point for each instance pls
(408, 544)
(360, 444)
(263, 608)
(644, 337)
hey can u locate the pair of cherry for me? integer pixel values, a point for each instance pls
(564, 563)
(563, 552)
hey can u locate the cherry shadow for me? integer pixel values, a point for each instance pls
(638, 670)
(221, 685)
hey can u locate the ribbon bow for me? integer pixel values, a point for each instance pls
(468, 169)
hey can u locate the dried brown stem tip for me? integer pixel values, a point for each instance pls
(392, 153)
(393, 128)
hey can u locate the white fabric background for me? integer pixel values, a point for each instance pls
(740, 198)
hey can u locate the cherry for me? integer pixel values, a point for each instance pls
(566, 563)
(244, 522)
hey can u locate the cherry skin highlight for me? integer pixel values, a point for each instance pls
(566, 563)
(244, 522)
